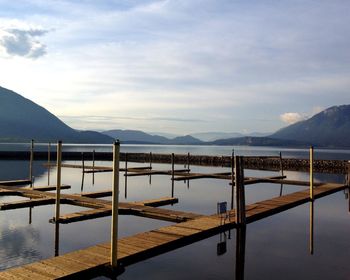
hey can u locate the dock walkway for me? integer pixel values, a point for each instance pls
(148, 244)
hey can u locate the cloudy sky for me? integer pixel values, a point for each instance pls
(177, 66)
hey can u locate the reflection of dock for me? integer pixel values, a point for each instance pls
(146, 245)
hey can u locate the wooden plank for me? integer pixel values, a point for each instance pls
(26, 203)
(15, 182)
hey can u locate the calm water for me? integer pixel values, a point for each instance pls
(275, 248)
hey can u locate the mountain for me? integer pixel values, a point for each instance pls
(329, 128)
(22, 120)
(135, 136)
(212, 136)
(258, 141)
(140, 137)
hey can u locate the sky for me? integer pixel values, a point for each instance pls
(177, 66)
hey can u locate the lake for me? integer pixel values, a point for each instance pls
(275, 247)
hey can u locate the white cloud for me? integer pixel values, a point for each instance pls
(291, 118)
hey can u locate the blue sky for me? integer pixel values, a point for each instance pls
(177, 66)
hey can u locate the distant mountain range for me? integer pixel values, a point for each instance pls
(22, 120)
(140, 137)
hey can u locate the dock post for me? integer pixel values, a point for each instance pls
(281, 164)
(93, 167)
(311, 173)
(115, 205)
(83, 173)
(311, 238)
(126, 176)
(172, 166)
(188, 162)
(150, 160)
(58, 182)
(240, 196)
(232, 179)
(31, 162)
(48, 163)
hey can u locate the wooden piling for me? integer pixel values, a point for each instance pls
(126, 176)
(281, 164)
(48, 163)
(93, 167)
(232, 179)
(311, 173)
(83, 171)
(58, 178)
(115, 205)
(31, 162)
(172, 166)
(239, 189)
(150, 160)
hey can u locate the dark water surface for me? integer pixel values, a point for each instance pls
(275, 248)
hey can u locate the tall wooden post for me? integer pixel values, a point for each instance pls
(126, 176)
(115, 205)
(93, 167)
(83, 173)
(48, 163)
(240, 196)
(311, 173)
(58, 180)
(232, 179)
(150, 160)
(281, 164)
(240, 251)
(172, 166)
(31, 163)
(188, 162)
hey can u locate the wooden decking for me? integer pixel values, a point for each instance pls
(148, 244)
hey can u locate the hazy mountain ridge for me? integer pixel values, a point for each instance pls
(140, 137)
(22, 120)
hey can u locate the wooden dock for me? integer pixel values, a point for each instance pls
(95, 259)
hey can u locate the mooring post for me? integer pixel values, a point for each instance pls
(240, 196)
(172, 166)
(93, 167)
(240, 251)
(83, 173)
(281, 164)
(232, 179)
(311, 173)
(126, 176)
(31, 162)
(150, 160)
(188, 162)
(115, 205)
(58, 180)
(48, 163)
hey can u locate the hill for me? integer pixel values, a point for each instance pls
(140, 137)
(328, 128)
(22, 120)
(258, 141)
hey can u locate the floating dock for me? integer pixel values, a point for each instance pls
(95, 259)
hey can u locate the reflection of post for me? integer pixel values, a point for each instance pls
(126, 176)
(311, 241)
(57, 239)
(48, 163)
(30, 215)
(311, 173)
(31, 163)
(240, 196)
(240, 251)
(232, 180)
(93, 167)
(115, 205)
(83, 173)
(58, 183)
